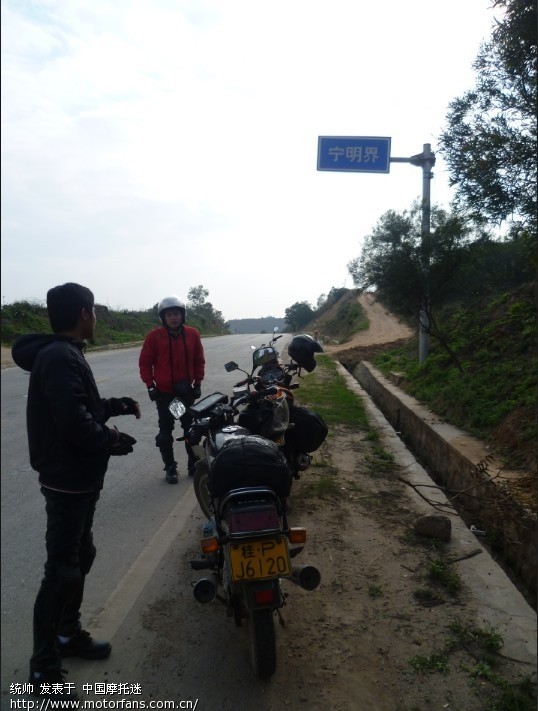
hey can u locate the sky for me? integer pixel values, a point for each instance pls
(152, 146)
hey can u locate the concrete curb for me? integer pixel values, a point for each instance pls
(500, 604)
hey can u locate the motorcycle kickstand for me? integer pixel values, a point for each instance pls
(281, 620)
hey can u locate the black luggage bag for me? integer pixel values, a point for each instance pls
(249, 461)
(309, 431)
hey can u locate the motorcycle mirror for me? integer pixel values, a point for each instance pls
(264, 355)
(177, 408)
(275, 329)
(231, 366)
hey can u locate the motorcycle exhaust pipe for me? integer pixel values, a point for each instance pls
(307, 577)
(205, 590)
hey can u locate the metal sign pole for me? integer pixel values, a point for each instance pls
(426, 160)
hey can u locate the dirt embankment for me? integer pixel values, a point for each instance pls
(385, 332)
(384, 327)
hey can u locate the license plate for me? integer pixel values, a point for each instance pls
(255, 560)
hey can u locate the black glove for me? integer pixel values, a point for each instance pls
(123, 445)
(154, 394)
(196, 392)
(123, 406)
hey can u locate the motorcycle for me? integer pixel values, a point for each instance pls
(241, 482)
(269, 408)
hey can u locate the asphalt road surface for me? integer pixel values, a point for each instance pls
(138, 514)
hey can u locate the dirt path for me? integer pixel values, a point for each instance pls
(384, 326)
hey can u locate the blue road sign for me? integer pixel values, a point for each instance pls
(356, 154)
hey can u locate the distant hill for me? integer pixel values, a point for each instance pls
(256, 325)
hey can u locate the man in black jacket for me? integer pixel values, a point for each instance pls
(70, 446)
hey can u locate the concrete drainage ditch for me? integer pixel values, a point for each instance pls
(475, 482)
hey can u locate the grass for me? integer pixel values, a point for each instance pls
(482, 645)
(434, 663)
(326, 391)
(441, 573)
(113, 327)
(323, 487)
(494, 397)
(348, 319)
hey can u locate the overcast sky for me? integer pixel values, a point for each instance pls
(149, 146)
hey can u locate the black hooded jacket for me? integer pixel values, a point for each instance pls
(68, 440)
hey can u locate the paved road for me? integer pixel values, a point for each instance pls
(136, 517)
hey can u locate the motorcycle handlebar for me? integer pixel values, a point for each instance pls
(256, 395)
(241, 400)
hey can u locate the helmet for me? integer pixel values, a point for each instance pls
(171, 302)
(302, 348)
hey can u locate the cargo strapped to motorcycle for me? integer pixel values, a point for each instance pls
(249, 461)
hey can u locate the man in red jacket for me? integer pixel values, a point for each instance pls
(172, 364)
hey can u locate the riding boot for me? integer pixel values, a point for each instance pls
(171, 473)
(164, 441)
(170, 465)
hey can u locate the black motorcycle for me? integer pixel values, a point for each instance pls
(241, 482)
(269, 408)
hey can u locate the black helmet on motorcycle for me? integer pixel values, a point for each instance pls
(171, 302)
(302, 348)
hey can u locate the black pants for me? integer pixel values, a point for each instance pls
(70, 555)
(164, 439)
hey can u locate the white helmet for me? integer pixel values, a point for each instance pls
(171, 302)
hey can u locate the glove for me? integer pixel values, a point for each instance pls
(123, 406)
(123, 445)
(196, 391)
(154, 394)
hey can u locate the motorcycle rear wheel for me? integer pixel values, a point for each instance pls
(199, 482)
(262, 642)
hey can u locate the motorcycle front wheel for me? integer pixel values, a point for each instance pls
(262, 642)
(199, 482)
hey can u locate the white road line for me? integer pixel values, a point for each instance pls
(122, 599)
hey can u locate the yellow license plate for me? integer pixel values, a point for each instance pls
(255, 560)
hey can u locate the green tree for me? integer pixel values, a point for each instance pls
(322, 300)
(489, 142)
(202, 314)
(298, 315)
(391, 261)
(197, 296)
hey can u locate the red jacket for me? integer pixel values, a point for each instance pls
(166, 359)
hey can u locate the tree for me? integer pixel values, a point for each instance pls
(392, 262)
(207, 318)
(197, 296)
(298, 315)
(489, 142)
(322, 300)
